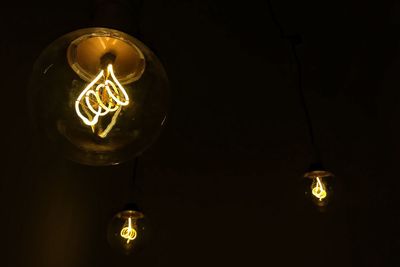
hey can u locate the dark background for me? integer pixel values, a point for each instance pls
(222, 185)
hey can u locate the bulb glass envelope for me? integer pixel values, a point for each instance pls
(97, 111)
(319, 186)
(126, 231)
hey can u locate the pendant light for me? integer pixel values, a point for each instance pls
(99, 95)
(318, 179)
(126, 232)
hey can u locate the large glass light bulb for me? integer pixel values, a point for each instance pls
(320, 186)
(99, 95)
(126, 231)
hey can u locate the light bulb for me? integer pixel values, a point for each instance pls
(320, 186)
(99, 95)
(126, 231)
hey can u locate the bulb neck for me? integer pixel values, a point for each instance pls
(321, 174)
(316, 166)
(132, 206)
(107, 59)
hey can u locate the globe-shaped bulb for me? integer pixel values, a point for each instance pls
(99, 95)
(319, 187)
(126, 231)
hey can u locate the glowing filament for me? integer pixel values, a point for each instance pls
(102, 96)
(128, 232)
(318, 190)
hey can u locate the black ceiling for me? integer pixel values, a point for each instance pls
(221, 185)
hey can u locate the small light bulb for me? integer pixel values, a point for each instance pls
(100, 97)
(320, 185)
(126, 231)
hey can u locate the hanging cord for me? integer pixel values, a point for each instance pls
(134, 172)
(124, 15)
(303, 99)
(132, 202)
(295, 40)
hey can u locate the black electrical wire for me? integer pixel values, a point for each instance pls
(134, 171)
(301, 93)
(294, 40)
(275, 20)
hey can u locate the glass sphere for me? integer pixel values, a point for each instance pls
(126, 231)
(99, 95)
(319, 187)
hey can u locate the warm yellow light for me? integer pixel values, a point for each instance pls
(102, 96)
(318, 189)
(128, 232)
